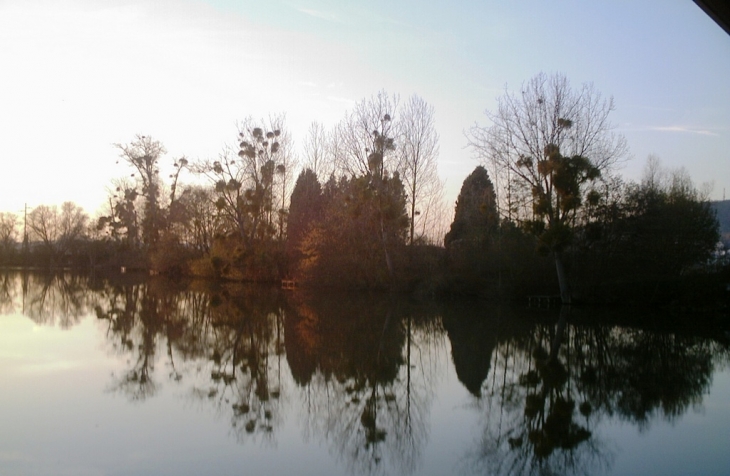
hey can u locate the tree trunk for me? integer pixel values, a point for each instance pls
(413, 210)
(565, 296)
(559, 331)
(384, 240)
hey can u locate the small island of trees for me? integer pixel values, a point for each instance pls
(545, 213)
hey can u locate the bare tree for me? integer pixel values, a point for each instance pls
(353, 136)
(284, 178)
(318, 151)
(72, 223)
(435, 217)
(8, 232)
(197, 217)
(43, 225)
(58, 230)
(120, 218)
(548, 111)
(418, 165)
(545, 148)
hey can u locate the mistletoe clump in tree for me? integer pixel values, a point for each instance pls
(546, 147)
(250, 192)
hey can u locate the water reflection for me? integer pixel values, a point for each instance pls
(48, 299)
(549, 384)
(141, 320)
(365, 370)
(359, 373)
(247, 346)
(227, 342)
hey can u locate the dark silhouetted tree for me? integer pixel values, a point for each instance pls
(546, 147)
(143, 155)
(668, 226)
(305, 210)
(475, 218)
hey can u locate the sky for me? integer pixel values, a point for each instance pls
(78, 76)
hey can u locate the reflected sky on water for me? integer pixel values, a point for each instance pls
(128, 376)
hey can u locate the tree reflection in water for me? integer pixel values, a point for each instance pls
(366, 374)
(363, 366)
(55, 299)
(229, 342)
(365, 369)
(548, 386)
(8, 293)
(246, 352)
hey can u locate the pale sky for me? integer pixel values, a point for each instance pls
(77, 76)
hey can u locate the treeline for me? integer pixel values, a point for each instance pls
(229, 218)
(641, 242)
(546, 211)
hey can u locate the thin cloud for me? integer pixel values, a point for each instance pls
(322, 15)
(646, 107)
(349, 102)
(683, 129)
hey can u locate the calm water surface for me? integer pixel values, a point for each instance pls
(137, 377)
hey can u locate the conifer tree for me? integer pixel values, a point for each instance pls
(476, 216)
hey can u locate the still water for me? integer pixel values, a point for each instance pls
(128, 376)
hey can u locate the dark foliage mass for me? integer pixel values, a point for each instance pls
(475, 219)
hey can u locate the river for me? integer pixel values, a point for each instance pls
(137, 376)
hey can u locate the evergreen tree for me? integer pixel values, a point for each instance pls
(475, 218)
(305, 209)
(346, 247)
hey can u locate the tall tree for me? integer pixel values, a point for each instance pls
(318, 151)
(305, 211)
(245, 183)
(418, 165)
(353, 139)
(546, 146)
(387, 189)
(476, 216)
(362, 223)
(143, 155)
(122, 221)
